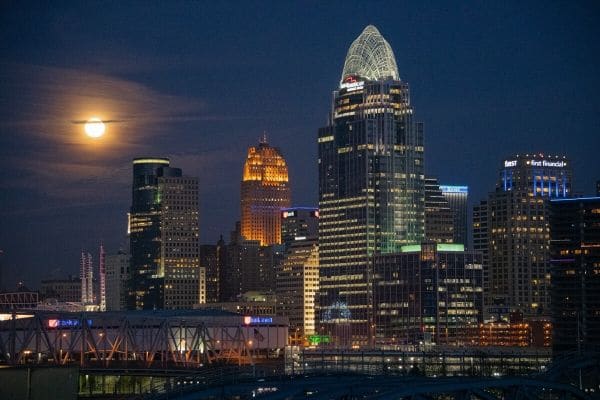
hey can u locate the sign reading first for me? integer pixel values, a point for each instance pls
(536, 163)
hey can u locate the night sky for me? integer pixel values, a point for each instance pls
(199, 82)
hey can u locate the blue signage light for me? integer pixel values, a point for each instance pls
(454, 189)
(66, 323)
(258, 320)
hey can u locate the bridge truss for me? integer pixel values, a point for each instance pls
(114, 340)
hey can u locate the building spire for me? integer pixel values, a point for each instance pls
(263, 138)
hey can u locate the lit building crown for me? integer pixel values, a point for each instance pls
(370, 57)
(264, 163)
(265, 192)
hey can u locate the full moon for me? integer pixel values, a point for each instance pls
(94, 127)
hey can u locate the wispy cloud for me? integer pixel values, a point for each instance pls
(42, 140)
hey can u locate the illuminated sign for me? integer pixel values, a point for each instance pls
(151, 161)
(510, 163)
(66, 323)
(454, 189)
(257, 320)
(318, 339)
(410, 248)
(287, 214)
(450, 247)
(544, 163)
(352, 86)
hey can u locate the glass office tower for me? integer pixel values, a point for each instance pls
(575, 271)
(163, 238)
(146, 283)
(371, 183)
(430, 293)
(439, 217)
(457, 198)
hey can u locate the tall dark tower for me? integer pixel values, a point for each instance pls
(371, 184)
(163, 232)
(146, 286)
(575, 271)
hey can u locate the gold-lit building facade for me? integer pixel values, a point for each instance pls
(297, 285)
(265, 191)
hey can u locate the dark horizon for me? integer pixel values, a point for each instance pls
(200, 83)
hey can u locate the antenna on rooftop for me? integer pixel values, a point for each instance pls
(263, 138)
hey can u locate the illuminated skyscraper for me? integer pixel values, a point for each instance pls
(457, 198)
(428, 292)
(265, 191)
(146, 272)
(371, 182)
(439, 217)
(184, 278)
(163, 231)
(518, 232)
(297, 284)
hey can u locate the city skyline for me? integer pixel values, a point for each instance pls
(61, 193)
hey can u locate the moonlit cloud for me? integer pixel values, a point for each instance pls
(46, 118)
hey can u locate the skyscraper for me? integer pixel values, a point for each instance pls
(575, 274)
(371, 195)
(430, 292)
(299, 223)
(86, 273)
(265, 191)
(480, 237)
(297, 284)
(146, 272)
(163, 232)
(117, 277)
(248, 266)
(518, 232)
(184, 278)
(213, 259)
(439, 217)
(457, 198)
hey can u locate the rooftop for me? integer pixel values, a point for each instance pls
(370, 57)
